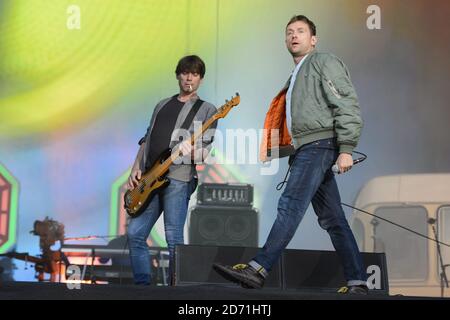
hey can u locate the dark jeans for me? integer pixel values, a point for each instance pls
(311, 180)
(174, 201)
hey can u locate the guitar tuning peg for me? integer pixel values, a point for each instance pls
(226, 100)
(237, 94)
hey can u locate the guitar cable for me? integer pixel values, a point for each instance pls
(356, 161)
(398, 225)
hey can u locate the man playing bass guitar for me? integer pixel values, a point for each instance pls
(170, 117)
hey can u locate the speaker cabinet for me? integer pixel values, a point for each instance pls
(314, 269)
(223, 226)
(296, 270)
(193, 264)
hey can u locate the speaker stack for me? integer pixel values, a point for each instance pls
(224, 216)
(314, 270)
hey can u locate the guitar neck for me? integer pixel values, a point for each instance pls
(160, 169)
(175, 155)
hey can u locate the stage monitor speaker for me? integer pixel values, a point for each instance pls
(311, 269)
(193, 265)
(296, 270)
(223, 226)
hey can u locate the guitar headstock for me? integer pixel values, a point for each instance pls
(229, 104)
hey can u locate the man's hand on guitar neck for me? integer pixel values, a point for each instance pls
(196, 154)
(134, 178)
(186, 148)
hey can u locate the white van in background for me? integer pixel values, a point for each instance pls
(418, 202)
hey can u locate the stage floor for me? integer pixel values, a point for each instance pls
(50, 291)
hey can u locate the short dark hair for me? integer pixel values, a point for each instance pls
(312, 26)
(192, 64)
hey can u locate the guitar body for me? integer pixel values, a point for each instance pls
(137, 199)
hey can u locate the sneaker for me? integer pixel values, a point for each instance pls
(360, 289)
(243, 274)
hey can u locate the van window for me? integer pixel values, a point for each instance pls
(406, 252)
(358, 232)
(444, 235)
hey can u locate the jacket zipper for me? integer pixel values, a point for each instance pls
(333, 89)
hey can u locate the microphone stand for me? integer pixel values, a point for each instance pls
(443, 275)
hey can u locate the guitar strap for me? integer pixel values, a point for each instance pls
(190, 117)
(187, 124)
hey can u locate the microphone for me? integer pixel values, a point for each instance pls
(335, 167)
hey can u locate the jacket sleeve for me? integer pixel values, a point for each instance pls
(343, 100)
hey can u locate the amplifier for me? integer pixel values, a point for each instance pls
(225, 194)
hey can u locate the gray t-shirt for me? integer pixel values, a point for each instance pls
(185, 171)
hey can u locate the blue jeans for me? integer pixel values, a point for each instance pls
(174, 201)
(311, 180)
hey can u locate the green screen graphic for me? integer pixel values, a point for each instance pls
(9, 189)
